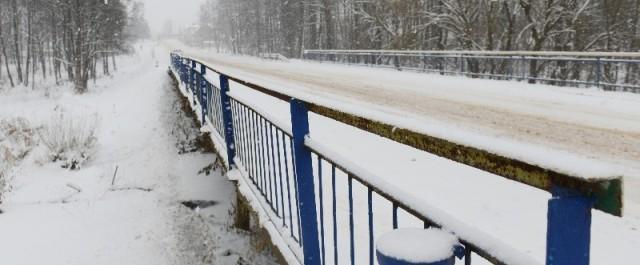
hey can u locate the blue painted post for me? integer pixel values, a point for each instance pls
(462, 65)
(524, 68)
(305, 185)
(183, 69)
(204, 105)
(598, 71)
(187, 72)
(187, 66)
(192, 80)
(568, 228)
(227, 120)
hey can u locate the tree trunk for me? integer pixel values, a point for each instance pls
(16, 39)
(330, 42)
(113, 61)
(6, 60)
(29, 37)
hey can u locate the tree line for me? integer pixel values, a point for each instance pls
(289, 27)
(64, 39)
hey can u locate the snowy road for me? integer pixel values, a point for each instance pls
(602, 125)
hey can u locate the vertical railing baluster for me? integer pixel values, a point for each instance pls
(241, 151)
(258, 154)
(254, 147)
(394, 215)
(524, 68)
(370, 217)
(305, 183)
(335, 221)
(598, 65)
(467, 256)
(236, 135)
(352, 242)
(272, 170)
(280, 175)
(286, 170)
(239, 133)
(295, 184)
(321, 201)
(462, 65)
(274, 177)
(265, 163)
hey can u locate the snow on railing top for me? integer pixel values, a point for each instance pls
(492, 53)
(606, 188)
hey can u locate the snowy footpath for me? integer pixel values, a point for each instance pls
(52, 215)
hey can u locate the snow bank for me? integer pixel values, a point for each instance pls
(418, 245)
(17, 139)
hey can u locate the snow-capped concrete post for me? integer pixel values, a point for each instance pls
(204, 94)
(304, 177)
(415, 246)
(568, 227)
(227, 120)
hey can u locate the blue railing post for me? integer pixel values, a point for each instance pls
(183, 71)
(568, 228)
(598, 66)
(204, 104)
(306, 190)
(461, 65)
(227, 120)
(189, 74)
(192, 80)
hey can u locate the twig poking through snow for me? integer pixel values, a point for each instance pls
(131, 188)
(113, 180)
(74, 187)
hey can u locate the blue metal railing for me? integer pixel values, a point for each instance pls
(609, 71)
(301, 183)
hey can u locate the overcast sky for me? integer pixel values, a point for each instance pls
(180, 12)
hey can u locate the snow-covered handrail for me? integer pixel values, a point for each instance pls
(565, 54)
(606, 70)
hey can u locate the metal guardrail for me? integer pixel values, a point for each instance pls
(296, 176)
(619, 71)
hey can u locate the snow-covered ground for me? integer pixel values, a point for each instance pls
(53, 215)
(561, 126)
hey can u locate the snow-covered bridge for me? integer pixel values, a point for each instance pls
(343, 176)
